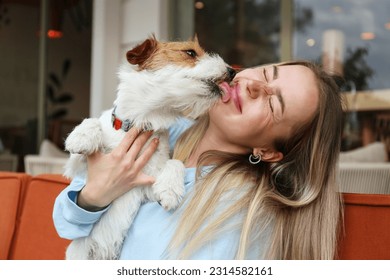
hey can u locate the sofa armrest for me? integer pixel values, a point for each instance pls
(35, 237)
(365, 234)
(12, 188)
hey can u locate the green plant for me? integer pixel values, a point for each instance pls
(4, 17)
(56, 97)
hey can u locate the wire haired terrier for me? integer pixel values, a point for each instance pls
(161, 82)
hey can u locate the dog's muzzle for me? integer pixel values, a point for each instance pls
(227, 77)
(231, 73)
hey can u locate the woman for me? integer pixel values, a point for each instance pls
(260, 178)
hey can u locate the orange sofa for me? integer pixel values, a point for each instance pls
(27, 230)
(366, 227)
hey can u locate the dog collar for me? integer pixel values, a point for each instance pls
(119, 124)
(126, 124)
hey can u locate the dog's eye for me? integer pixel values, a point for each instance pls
(191, 53)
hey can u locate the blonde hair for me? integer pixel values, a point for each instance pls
(296, 199)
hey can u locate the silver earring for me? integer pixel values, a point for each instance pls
(254, 159)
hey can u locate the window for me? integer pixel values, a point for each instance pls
(244, 33)
(351, 37)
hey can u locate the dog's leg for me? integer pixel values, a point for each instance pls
(169, 186)
(78, 249)
(106, 238)
(75, 165)
(86, 138)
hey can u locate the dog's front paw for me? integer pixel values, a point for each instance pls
(86, 138)
(169, 200)
(169, 186)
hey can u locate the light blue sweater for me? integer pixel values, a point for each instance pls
(152, 228)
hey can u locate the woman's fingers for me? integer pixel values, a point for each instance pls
(126, 142)
(137, 145)
(145, 180)
(146, 155)
(128, 155)
(110, 175)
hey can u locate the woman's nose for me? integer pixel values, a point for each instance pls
(256, 88)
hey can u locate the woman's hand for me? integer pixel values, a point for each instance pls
(113, 174)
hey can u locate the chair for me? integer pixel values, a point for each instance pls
(365, 177)
(35, 165)
(365, 170)
(51, 160)
(8, 162)
(12, 186)
(366, 226)
(35, 237)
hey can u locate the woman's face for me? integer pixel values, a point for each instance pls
(263, 104)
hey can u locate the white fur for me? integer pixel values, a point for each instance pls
(154, 97)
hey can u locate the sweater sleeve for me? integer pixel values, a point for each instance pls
(70, 220)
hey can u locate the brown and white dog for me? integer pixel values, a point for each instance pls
(162, 81)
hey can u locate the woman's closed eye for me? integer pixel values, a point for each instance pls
(265, 74)
(267, 91)
(271, 105)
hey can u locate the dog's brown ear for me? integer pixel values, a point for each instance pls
(196, 38)
(142, 52)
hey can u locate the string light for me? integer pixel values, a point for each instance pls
(310, 42)
(367, 36)
(54, 34)
(199, 5)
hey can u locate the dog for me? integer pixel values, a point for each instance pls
(161, 82)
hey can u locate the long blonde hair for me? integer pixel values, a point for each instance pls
(296, 199)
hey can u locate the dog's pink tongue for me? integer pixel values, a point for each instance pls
(226, 90)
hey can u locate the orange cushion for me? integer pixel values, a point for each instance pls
(36, 237)
(11, 185)
(367, 227)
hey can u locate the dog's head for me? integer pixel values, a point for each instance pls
(153, 54)
(185, 70)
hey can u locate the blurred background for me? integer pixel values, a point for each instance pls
(59, 58)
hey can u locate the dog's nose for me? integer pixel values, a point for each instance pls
(231, 73)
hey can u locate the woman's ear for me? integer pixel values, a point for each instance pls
(268, 155)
